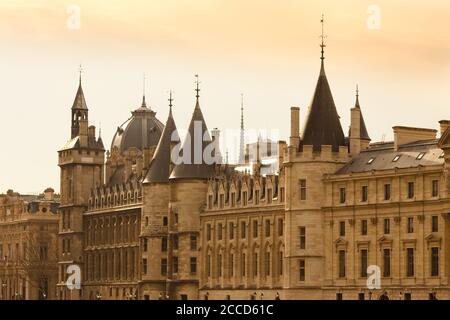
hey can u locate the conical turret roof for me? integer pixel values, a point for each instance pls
(80, 101)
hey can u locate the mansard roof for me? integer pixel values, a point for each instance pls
(323, 126)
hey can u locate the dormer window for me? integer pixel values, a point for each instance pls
(370, 160)
(396, 158)
(420, 156)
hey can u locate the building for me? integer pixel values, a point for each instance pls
(154, 220)
(28, 245)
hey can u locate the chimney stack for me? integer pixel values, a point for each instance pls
(294, 139)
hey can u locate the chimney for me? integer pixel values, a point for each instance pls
(83, 133)
(48, 194)
(404, 135)
(294, 139)
(444, 124)
(91, 132)
(355, 131)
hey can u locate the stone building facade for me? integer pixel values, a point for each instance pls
(28, 245)
(142, 224)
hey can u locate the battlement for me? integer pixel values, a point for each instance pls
(123, 194)
(244, 190)
(307, 154)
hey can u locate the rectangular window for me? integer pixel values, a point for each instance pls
(435, 188)
(221, 201)
(410, 190)
(243, 265)
(280, 263)
(175, 264)
(231, 264)
(386, 262)
(243, 231)
(267, 263)
(208, 232)
(342, 228)
(281, 195)
(219, 265)
(231, 230)
(255, 229)
(208, 265)
(341, 263)
(387, 192)
(210, 202)
(302, 185)
(280, 227)
(145, 246)
(164, 244)
(410, 262)
(434, 224)
(165, 221)
(364, 227)
(219, 231)
(363, 263)
(434, 262)
(364, 193)
(387, 226)
(301, 269)
(256, 197)
(302, 236)
(175, 242)
(193, 242)
(255, 264)
(410, 225)
(244, 198)
(193, 267)
(269, 196)
(267, 228)
(164, 266)
(233, 199)
(342, 195)
(144, 266)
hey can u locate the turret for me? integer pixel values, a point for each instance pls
(359, 138)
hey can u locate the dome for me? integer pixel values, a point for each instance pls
(142, 130)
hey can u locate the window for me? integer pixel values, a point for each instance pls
(435, 188)
(231, 230)
(301, 269)
(339, 296)
(396, 158)
(175, 218)
(256, 196)
(145, 246)
(302, 184)
(164, 244)
(233, 199)
(341, 195)
(165, 221)
(144, 266)
(244, 198)
(280, 227)
(231, 268)
(364, 227)
(420, 156)
(210, 201)
(146, 221)
(434, 224)
(281, 195)
(221, 200)
(302, 235)
(219, 265)
(386, 262)
(363, 263)
(370, 160)
(267, 228)
(342, 228)
(243, 230)
(267, 263)
(410, 225)
(208, 232)
(193, 242)
(164, 266)
(364, 193)
(280, 263)
(434, 262)
(407, 296)
(361, 296)
(219, 231)
(255, 229)
(208, 265)
(175, 242)
(243, 265)
(410, 262)
(341, 263)
(269, 196)
(410, 190)
(175, 264)
(387, 226)
(255, 264)
(387, 192)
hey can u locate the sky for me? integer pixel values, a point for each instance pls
(398, 52)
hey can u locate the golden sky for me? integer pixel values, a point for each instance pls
(266, 49)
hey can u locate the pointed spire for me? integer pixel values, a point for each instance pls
(170, 102)
(80, 70)
(363, 133)
(197, 89)
(322, 36)
(144, 104)
(242, 133)
(79, 101)
(357, 98)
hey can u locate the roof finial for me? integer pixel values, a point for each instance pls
(80, 70)
(357, 97)
(322, 36)
(170, 100)
(144, 104)
(242, 142)
(197, 90)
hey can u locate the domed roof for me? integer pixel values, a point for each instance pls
(142, 130)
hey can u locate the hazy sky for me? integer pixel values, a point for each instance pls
(397, 51)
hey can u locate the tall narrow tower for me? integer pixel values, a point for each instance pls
(81, 161)
(242, 142)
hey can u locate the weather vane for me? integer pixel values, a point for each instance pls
(323, 37)
(197, 89)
